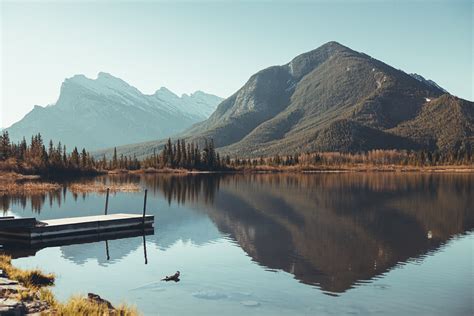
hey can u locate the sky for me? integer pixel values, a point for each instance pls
(216, 46)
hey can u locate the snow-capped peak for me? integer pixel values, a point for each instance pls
(105, 84)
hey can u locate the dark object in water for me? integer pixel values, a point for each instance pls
(174, 277)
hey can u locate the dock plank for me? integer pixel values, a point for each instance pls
(16, 223)
(90, 219)
(82, 225)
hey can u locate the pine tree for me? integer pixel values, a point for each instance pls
(178, 154)
(114, 159)
(84, 158)
(75, 158)
(5, 146)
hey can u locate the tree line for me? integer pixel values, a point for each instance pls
(380, 157)
(37, 158)
(182, 155)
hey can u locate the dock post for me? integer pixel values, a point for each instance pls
(107, 250)
(144, 206)
(107, 201)
(144, 247)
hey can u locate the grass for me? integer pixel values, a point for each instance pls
(347, 167)
(81, 305)
(10, 176)
(37, 283)
(31, 279)
(13, 187)
(102, 187)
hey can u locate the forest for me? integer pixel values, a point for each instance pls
(37, 158)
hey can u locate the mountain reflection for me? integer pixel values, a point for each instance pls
(333, 230)
(329, 230)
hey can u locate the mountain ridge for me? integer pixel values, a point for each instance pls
(329, 99)
(107, 111)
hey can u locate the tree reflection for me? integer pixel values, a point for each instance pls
(329, 230)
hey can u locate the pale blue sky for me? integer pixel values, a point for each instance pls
(216, 46)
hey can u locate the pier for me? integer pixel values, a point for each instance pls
(63, 229)
(31, 229)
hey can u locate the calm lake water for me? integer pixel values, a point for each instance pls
(320, 244)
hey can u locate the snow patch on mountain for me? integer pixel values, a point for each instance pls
(107, 111)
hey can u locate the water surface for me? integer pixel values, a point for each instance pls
(273, 244)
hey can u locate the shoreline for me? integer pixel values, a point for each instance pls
(28, 292)
(12, 177)
(14, 183)
(308, 170)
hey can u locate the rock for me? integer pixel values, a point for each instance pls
(10, 305)
(97, 299)
(5, 281)
(36, 307)
(13, 307)
(11, 286)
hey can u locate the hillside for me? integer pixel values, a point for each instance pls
(107, 111)
(445, 122)
(329, 99)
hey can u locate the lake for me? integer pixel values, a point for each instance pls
(272, 244)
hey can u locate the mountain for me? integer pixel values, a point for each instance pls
(332, 99)
(428, 82)
(107, 111)
(445, 122)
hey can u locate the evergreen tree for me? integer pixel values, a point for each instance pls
(114, 159)
(5, 146)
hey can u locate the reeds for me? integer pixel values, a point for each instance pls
(24, 188)
(102, 187)
(81, 305)
(32, 279)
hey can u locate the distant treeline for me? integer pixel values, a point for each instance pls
(372, 157)
(36, 158)
(181, 155)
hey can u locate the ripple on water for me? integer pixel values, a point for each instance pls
(209, 295)
(250, 303)
(153, 286)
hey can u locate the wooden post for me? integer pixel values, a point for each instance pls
(144, 206)
(107, 201)
(144, 247)
(107, 249)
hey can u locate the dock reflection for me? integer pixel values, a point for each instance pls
(334, 231)
(25, 248)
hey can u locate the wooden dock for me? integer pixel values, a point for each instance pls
(47, 229)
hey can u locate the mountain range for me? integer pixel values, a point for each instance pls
(107, 111)
(332, 99)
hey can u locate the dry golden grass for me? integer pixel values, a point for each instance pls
(11, 176)
(162, 170)
(28, 278)
(102, 188)
(354, 168)
(46, 295)
(36, 284)
(80, 305)
(12, 187)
